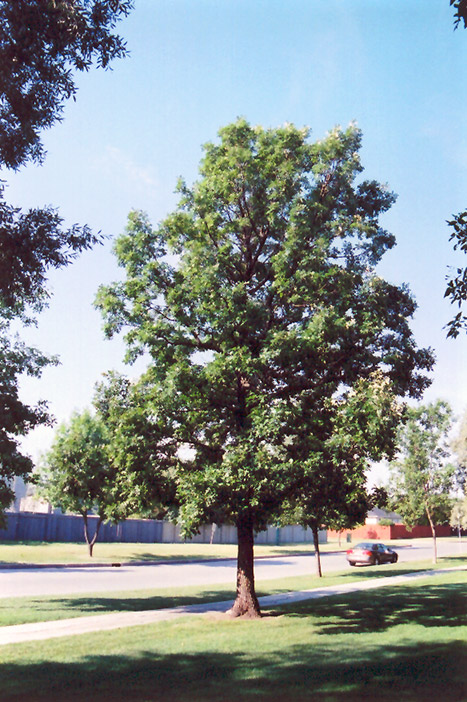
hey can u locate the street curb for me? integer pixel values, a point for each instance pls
(122, 564)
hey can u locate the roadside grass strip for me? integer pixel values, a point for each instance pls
(83, 625)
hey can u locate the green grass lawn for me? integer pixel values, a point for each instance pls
(401, 643)
(30, 553)
(45, 608)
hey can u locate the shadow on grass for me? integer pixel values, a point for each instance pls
(406, 673)
(390, 570)
(142, 604)
(56, 607)
(81, 606)
(75, 605)
(426, 605)
(382, 571)
(167, 558)
(256, 663)
(461, 559)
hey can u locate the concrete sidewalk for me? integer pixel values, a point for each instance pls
(106, 622)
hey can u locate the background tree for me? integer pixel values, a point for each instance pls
(269, 313)
(333, 493)
(422, 479)
(459, 448)
(459, 515)
(77, 474)
(330, 499)
(41, 45)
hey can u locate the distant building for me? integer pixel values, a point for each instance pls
(27, 501)
(20, 490)
(376, 514)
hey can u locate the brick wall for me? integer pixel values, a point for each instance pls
(377, 532)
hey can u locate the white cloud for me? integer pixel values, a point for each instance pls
(114, 162)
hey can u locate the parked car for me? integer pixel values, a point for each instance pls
(371, 554)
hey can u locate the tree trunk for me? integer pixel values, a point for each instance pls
(91, 542)
(246, 603)
(433, 531)
(317, 553)
(213, 531)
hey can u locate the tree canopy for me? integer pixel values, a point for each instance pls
(258, 303)
(460, 14)
(42, 43)
(17, 418)
(456, 288)
(139, 450)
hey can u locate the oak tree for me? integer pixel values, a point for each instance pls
(258, 305)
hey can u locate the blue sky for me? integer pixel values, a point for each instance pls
(396, 67)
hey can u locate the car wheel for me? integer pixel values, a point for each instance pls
(377, 560)
(394, 558)
(352, 563)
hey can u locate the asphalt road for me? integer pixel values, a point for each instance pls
(62, 580)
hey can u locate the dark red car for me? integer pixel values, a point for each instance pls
(371, 554)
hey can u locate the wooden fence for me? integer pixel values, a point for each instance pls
(34, 526)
